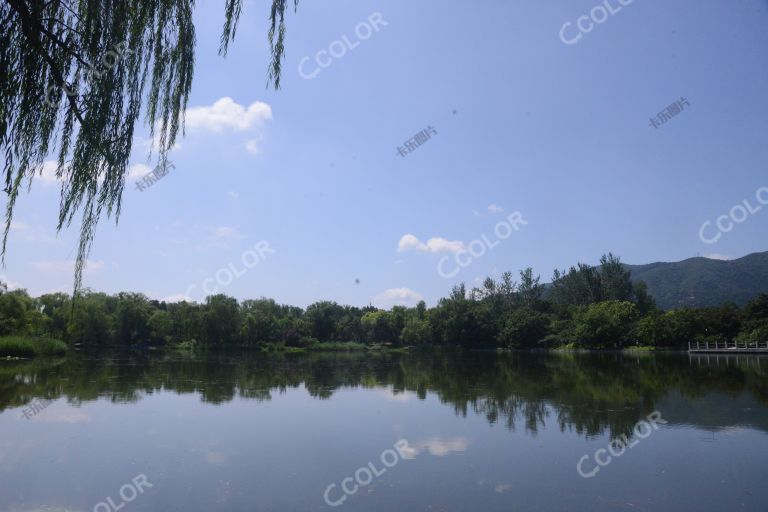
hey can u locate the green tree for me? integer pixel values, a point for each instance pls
(15, 308)
(91, 322)
(160, 326)
(524, 328)
(581, 285)
(322, 318)
(530, 290)
(605, 324)
(416, 332)
(378, 327)
(220, 321)
(132, 316)
(653, 330)
(615, 280)
(55, 308)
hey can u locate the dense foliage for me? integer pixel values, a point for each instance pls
(589, 307)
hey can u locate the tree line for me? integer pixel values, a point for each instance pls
(584, 307)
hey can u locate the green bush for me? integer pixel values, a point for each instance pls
(20, 346)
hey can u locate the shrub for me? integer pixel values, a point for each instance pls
(19, 346)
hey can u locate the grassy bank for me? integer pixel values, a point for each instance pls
(22, 346)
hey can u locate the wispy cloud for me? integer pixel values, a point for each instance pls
(136, 172)
(252, 146)
(396, 297)
(10, 285)
(491, 208)
(47, 173)
(65, 265)
(227, 232)
(223, 236)
(439, 447)
(179, 297)
(716, 256)
(400, 396)
(410, 242)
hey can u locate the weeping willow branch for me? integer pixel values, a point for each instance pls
(75, 77)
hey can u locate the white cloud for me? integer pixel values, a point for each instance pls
(136, 172)
(153, 143)
(233, 194)
(222, 236)
(436, 244)
(227, 232)
(491, 208)
(408, 242)
(715, 256)
(252, 146)
(225, 113)
(439, 447)
(47, 173)
(397, 396)
(10, 285)
(33, 233)
(67, 415)
(65, 265)
(179, 297)
(396, 297)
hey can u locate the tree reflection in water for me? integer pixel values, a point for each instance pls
(586, 393)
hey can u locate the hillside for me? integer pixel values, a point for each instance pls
(704, 282)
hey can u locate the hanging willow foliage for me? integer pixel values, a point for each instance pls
(74, 78)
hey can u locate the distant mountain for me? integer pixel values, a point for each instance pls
(703, 282)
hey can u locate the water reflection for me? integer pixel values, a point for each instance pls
(590, 394)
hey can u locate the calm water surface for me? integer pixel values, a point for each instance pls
(476, 432)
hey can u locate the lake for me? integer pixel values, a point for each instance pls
(424, 431)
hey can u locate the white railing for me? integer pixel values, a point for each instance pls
(709, 346)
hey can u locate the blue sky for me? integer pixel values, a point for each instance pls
(524, 123)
